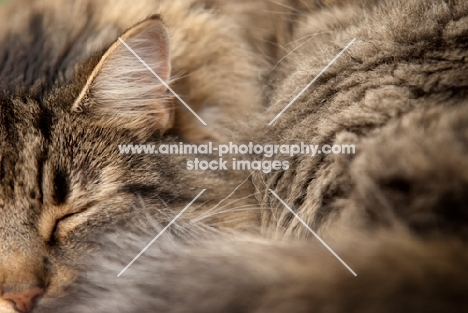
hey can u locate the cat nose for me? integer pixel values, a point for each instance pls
(24, 299)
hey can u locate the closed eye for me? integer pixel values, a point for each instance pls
(63, 225)
(53, 234)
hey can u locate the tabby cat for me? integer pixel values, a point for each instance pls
(71, 93)
(74, 212)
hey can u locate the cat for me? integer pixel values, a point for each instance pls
(71, 92)
(395, 211)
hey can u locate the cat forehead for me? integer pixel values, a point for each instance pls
(23, 120)
(40, 52)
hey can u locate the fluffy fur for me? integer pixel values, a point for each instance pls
(213, 273)
(63, 180)
(395, 212)
(398, 94)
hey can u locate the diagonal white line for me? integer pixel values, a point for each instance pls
(313, 81)
(160, 233)
(313, 233)
(162, 81)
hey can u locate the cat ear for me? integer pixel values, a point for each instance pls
(122, 91)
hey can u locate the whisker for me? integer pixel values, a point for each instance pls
(247, 207)
(235, 189)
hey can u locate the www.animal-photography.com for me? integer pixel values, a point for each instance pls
(243, 156)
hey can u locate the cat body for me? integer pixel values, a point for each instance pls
(398, 94)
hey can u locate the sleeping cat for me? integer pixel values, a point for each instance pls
(395, 211)
(71, 92)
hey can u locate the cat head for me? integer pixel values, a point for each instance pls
(63, 181)
(60, 171)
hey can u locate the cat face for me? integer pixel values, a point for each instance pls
(61, 174)
(63, 180)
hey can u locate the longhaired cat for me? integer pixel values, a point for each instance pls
(383, 229)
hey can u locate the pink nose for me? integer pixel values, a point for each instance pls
(24, 300)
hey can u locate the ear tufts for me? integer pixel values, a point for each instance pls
(122, 91)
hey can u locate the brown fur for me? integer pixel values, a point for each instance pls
(395, 212)
(63, 180)
(399, 70)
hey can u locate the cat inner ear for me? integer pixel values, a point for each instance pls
(122, 91)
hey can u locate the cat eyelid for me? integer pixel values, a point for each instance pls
(52, 238)
(51, 220)
(70, 213)
(69, 222)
